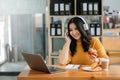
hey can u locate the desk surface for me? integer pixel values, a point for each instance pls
(112, 74)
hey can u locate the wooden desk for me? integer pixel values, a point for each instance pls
(112, 74)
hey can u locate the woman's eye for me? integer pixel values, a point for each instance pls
(76, 29)
(70, 30)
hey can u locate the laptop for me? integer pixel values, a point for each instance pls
(36, 62)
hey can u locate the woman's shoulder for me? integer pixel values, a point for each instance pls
(95, 39)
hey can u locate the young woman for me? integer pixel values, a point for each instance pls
(80, 47)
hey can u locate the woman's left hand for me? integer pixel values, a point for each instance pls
(93, 55)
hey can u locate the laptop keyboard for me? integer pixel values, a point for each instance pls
(54, 69)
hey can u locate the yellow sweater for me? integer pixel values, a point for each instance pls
(81, 57)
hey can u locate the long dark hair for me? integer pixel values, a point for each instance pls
(85, 35)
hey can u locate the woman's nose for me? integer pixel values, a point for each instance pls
(74, 31)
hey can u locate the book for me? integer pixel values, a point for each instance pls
(90, 8)
(67, 8)
(73, 66)
(52, 29)
(56, 8)
(62, 8)
(58, 30)
(92, 29)
(95, 10)
(98, 29)
(84, 8)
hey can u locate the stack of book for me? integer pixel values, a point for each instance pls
(56, 28)
(87, 7)
(95, 29)
(62, 7)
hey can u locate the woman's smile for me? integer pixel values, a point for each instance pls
(74, 32)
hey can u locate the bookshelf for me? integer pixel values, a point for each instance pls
(60, 12)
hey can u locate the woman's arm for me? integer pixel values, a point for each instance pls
(64, 55)
(101, 53)
(100, 49)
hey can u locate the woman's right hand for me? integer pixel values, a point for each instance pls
(67, 38)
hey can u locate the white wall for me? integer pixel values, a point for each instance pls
(8, 7)
(22, 33)
(114, 4)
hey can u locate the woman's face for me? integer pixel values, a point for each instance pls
(74, 32)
